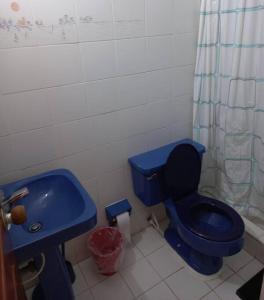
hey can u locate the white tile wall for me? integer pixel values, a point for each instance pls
(67, 103)
(6, 152)
(3, 125)
(18, 107)
(10, 37)
(106, 128)
(133, 121)
(85, 84)
(110, 157)
(33, 147)
(159, 85)
(102, 95)
(31, 68)
(98, 60)
(95, 20)
(82, 164)
(185, 15)
(112, 185)
(159, 137)
(129, 18)
(182, 80)
(159, 16)
(131, 56)
(132, 90)
(159, 52)
(54, 31)
(184, 50)
(72, 137)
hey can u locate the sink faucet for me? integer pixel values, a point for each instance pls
(17, 215)
(14, 197)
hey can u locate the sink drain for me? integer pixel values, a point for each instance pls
(35, 227)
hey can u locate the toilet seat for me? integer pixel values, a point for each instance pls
(201, 215)
(182, 171)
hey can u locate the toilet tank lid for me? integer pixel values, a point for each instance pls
(150, 162)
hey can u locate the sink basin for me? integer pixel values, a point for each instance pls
(58, 209)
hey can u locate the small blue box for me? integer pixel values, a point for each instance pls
(117, 208)
(147, 169)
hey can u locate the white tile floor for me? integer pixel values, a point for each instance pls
(153, 271)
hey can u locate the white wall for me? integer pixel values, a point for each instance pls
(87, 83)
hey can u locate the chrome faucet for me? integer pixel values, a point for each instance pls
(17, 215)
(21, 193)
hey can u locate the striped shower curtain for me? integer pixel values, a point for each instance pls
(229, 102)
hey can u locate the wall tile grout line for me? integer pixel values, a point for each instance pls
(96, 115)
(101, 79)
(98, 41)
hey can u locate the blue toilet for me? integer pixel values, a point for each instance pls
(202, 230)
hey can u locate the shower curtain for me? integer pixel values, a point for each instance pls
(229, 102)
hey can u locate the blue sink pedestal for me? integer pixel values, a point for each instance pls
(55, 282)
(61, 209)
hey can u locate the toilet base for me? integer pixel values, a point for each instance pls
(203, 264)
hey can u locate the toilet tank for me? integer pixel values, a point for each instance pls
(147, 171)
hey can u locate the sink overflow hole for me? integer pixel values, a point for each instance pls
(35, 227)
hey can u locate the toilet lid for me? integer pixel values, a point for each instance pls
(210, 218)
(182, 171)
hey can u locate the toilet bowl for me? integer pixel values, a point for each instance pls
(202, 230)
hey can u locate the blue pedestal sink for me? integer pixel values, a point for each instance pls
(58, 209)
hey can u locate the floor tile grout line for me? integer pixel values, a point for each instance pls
(196, 278)
(156, 284)
(129, 265)
(184, 267)
(76, 293)
(212, 291)
(90, 287)
(161, 279)
(108, 277)
(205, 295)
(244, 280)
(167, 277)
(153, 270)
(170, 287)
(87, 287)
(233, 273)
(236, 271)
(145, 255)
(124, 280)
(153, 251)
